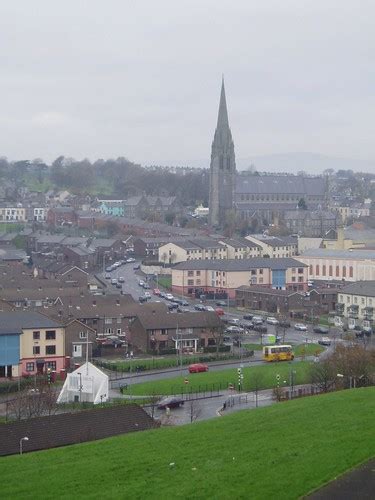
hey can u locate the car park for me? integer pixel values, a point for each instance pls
(271, 320)
(321, 329)
(198, 367)
(170, 402)
(326, 341)
(301, 327)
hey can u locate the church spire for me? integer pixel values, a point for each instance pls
(222, 119)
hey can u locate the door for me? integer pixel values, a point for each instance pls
(77, 351)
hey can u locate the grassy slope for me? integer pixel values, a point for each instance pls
(283, 451)
(203, 381)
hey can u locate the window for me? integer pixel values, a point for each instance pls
(50, 349)
(118, 331)
(190, 273)
(362, 300)
(36, 336)
(341, 298)
(108, 321)
(344, 272)
(311, 269)
(348, 299)
(330, 271)
(108, 331)
(351, 272)
(260, 271)
(36, 349)
(355, 300)
(50, 334)
(190, 282)
(51, 365)
(300, 279)
(198, 282)
(293, 278)
(29, 367)
(317, 269)
(337, 271)
(294, 270)
(198, 273)
(324, 270)
(83, 335)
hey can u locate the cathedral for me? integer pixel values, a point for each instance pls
(269, 197)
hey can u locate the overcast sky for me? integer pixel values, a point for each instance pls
(141, 79)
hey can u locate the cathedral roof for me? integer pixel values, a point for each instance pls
(284, 184)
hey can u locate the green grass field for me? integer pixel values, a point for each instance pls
(307, 349)
(263, 376)
(282, 452)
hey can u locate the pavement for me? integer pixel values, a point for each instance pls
(358, 484)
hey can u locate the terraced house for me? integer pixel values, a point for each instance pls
(356, 305)
(222, 277)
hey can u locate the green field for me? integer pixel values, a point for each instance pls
(282, 452)
(307, 349)
(262, 376)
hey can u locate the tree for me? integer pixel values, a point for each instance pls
(257, 382)
(323, 375)
(302, 204)
(195, 410)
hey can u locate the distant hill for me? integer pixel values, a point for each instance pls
(287, 162)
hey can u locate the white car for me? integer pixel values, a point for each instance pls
(209, 308)
(141, 282)
(147, 294)
(272, 321)
(301, 327)
(130, 259)
(169, 296)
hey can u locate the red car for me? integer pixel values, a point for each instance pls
(156, 291)
(198, 367)
(219, 311)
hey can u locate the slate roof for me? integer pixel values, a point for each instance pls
(204, 319)
(365, 288)
(280, 184)
(72, 428)
(13, 322)
(240, 264)
(266, 291)
(240, 243)
(339, 254)
(102, 243)
(12, 254)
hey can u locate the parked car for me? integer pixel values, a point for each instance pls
(170, 402)
(234, 329)
(301, 327)
(324, 341)
(272, 321)
(321, 329)
(121, 279)
(221, 303)
(246, 324)
(284, 324)
(109, 269)
(219, 311)
(169, 296)
(147, 294)
(248, 316)
(156, 291)
(141, 282)
(233, 321)
(142, 299)
(114, 281)
(172, 306)
(137, 267)
(209, 308)
(198, 367)
(257, 320)
(199, 307)
(146, 286)
(119, 285)
(130, 259)
(107, 276)
(260, 328)
(184, 303)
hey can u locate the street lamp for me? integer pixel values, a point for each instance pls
(21, 441)
(80, 386)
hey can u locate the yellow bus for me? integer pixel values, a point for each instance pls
(278, 353)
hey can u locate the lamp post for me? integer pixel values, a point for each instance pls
(21, 442)
(80, 386)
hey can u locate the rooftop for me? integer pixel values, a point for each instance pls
(240, 264)
(366, 288)
(339, 254)
(14, 322)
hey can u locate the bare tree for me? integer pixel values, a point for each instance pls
(195, 410)
(256, 383)
(323, 375)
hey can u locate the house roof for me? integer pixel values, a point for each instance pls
(13, 322)
(240, 264)
(239, 243)
(73, 428)
(166, 320)
(102, 243)
(266, 291)
(8, 254)
(339, 254)
(285, 184)
(365, 288)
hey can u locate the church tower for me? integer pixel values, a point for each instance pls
(222, 167)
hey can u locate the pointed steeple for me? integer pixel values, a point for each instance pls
(222, 119)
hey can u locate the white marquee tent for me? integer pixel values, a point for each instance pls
(87, 384)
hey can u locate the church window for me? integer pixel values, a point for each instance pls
(228, 162)
(247, 197)
(221, 162)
